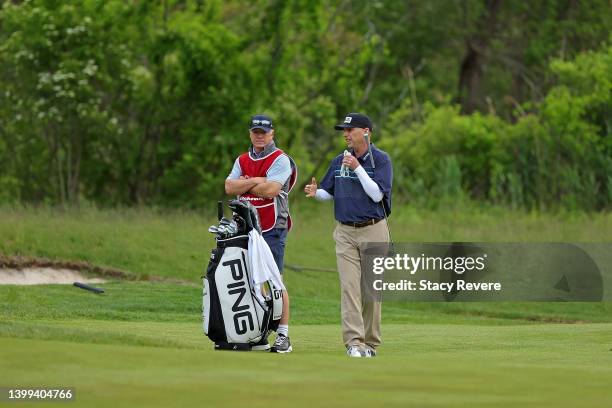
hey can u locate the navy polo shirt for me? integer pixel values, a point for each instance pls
(351, 203)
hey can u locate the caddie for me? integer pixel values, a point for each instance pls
(264, 176)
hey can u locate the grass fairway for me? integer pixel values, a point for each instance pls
(422, 365)
(141, 344)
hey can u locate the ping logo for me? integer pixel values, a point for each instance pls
(348, 119)
(243, 318)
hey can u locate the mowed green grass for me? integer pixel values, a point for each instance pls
(429, 365)
(141, 343)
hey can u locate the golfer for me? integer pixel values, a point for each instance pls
(264, 175)
(359, 182)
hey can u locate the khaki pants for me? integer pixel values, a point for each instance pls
(360, 317)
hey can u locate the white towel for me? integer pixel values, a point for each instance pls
(261, 263)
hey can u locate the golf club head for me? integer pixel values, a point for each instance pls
(240, 223)
(247, 212)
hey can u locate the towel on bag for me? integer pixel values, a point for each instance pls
(261, 263)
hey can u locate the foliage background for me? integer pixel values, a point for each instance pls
(123, 103)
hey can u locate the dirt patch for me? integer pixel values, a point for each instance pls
(40, 276)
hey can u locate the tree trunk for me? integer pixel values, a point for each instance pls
(75, 170)
(472, 68)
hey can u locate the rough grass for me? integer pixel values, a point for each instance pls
(177, 244)
(160, 302)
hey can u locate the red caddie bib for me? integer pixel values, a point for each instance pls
(266, 207)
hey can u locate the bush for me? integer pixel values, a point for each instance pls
(560, 156)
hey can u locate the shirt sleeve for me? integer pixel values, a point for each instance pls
(280, 170)
(369, 185)
(383, 175)
(323, 195)
(236, 171)
(327, 183)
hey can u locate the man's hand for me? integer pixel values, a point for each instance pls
(311, 189)
(350, 161)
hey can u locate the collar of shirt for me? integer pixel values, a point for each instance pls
(269, 148)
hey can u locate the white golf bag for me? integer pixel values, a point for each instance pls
(235, 317)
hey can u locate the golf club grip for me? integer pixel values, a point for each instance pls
(87, 287)
(219, 210)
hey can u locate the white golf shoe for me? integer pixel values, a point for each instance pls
(354, 351)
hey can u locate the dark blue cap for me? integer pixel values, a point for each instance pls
(262, 122)
(355, 120)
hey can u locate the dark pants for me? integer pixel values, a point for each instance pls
(276, 241)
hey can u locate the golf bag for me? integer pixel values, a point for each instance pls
(235, 316)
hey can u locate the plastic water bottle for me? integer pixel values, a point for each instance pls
(344, 169)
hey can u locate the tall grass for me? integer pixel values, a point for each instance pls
(177, 243)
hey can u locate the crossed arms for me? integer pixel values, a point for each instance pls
(260, 186)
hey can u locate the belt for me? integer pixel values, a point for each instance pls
(361, 224)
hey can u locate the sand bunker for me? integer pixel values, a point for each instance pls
(40, 276)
